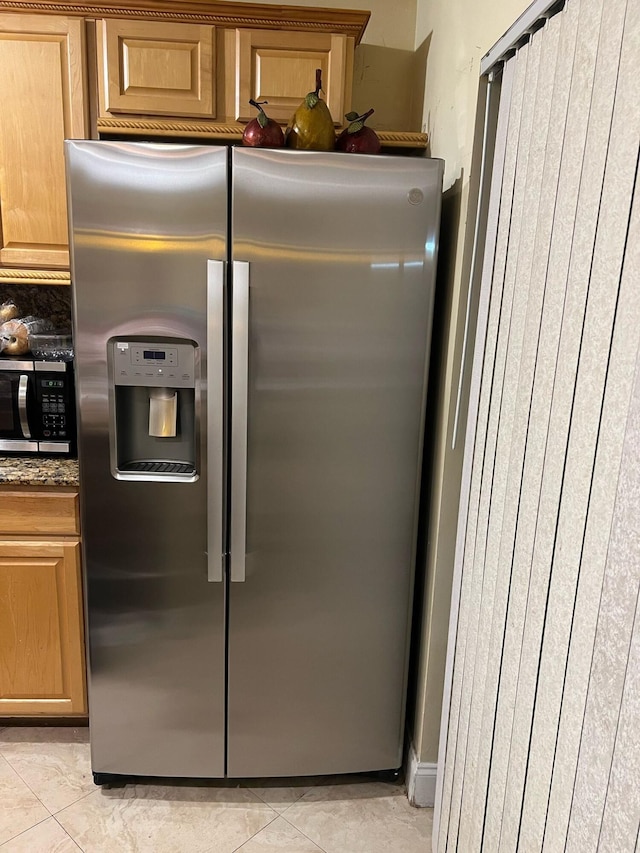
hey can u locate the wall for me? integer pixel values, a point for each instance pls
(454, 35)
(384, 68)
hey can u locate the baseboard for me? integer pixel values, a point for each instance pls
(421, 781)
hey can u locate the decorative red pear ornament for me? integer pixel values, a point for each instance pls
(262, 131)
(358, 138)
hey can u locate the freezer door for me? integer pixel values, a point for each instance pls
(147, 221)
(333, 275)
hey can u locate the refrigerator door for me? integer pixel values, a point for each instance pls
(336, 254)
(146, 223)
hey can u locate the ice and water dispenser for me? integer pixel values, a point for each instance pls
(153, 417)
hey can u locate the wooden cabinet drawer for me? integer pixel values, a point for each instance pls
(280, 67)
(156, 68)
(35, 513)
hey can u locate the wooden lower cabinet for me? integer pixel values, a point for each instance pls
(41, 628)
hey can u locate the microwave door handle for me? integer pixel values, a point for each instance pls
(239, 406)
(23, 392)
(215, 422)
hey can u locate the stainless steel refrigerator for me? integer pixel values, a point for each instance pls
(252, 334)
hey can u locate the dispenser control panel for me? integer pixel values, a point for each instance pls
(154, 357)
(153, 364)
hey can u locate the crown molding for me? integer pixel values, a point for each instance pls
(10, 275)
(349, 22)
(228, 132)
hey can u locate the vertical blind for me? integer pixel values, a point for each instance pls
(540, 746)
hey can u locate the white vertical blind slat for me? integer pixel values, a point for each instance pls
(619, 182)
(542, 726)
(591, 337)
(544, 354)
(452, 768)
(526, 66)
(484, 302)
(611, 657)
(520, 357)
(621, 818)
(615, 617)
(553, 393)
(509, 337)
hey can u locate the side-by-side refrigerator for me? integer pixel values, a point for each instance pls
(252, 333)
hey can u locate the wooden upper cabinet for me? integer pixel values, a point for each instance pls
(156, 68)
(280, 67)
(42, 102)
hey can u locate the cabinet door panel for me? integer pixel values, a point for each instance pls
(41, 632)
(280, 67)
(42, 85)
(153, 68)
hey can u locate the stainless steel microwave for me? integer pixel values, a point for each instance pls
(37, 407)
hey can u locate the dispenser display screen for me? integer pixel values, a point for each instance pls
(157, 354)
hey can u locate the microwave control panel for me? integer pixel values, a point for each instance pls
(55, 406)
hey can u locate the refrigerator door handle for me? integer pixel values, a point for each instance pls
(215, 422)
(239, 393)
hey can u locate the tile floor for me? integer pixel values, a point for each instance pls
(49, 804)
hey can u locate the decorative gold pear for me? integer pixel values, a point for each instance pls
(311, 126)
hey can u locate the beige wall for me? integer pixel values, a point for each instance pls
(392, 23)
(455, 34)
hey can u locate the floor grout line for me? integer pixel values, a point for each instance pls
(297, 829)
(20, 776)
(23, 831)
(51, 813)
(247, 840)
(68, 806)
(65, 831)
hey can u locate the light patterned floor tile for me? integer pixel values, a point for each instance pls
(165, 819)
(55, 762)
(20, 809)
(369, 817)
(280, 797)
(278, 837)
(46, 837)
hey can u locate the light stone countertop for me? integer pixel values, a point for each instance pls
(38, 471)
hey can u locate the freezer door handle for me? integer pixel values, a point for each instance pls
(239, 392)
(215, 419)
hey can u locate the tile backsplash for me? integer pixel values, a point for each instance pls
(49, 302)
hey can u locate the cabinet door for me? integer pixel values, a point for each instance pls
(280, 67)
(154, 68)
(41, 631)
(42, 102)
